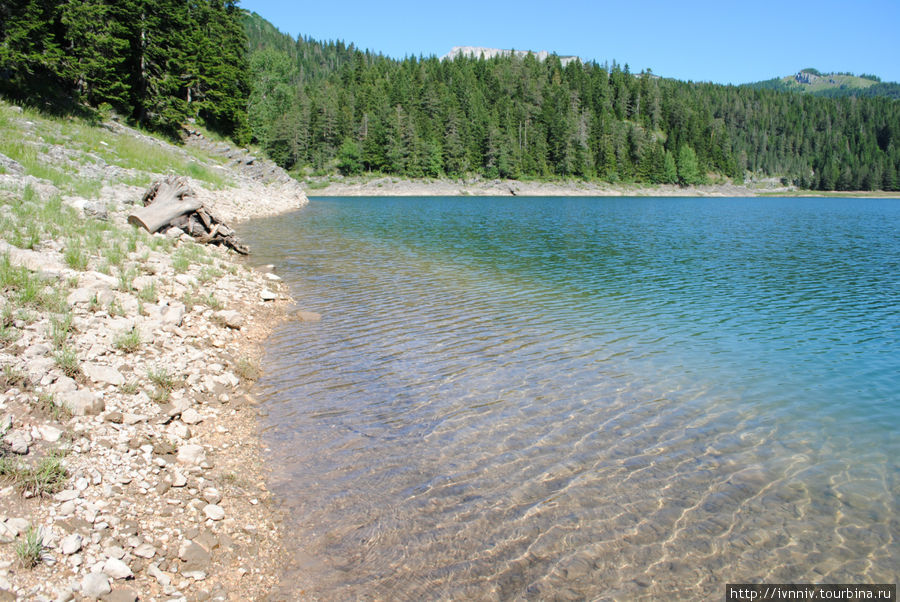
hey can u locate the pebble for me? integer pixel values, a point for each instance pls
(191, 416)
(94, 585)
(117, 569)
(145, 550)
(214, 512)
(178, 479)
(71, 544)
(66, 495)
(191, 454)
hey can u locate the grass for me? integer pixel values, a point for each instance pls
(31, 549)
(46, 403)
(129, 342)
(13, 377)
(67, 360)
(126, 276)
(47, 478)
(60, 328)
(115, 308)
(207, 274)
(161, 378)
(129, 388)
(212, 301)
(145, 154)
(148, 294)
(248, 369)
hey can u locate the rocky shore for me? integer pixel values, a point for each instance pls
(392, 186)
(130, 461)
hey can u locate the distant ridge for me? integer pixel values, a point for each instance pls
(812, 81)
(476, 51)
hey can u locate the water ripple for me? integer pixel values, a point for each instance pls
(585, 398)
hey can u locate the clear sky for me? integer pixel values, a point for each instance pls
(722, 41)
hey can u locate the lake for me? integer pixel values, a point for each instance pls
(569, 398)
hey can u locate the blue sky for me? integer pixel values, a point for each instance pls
(701, 40)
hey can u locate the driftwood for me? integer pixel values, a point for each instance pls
(170, 203)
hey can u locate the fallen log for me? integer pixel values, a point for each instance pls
(170, 203)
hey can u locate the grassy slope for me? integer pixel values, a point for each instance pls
(82, 166)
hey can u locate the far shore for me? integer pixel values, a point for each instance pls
(393, 186)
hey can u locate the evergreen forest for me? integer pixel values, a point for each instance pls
(328, 106)
(159, 62)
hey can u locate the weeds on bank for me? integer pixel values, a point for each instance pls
(47, 478)
(13, 377)
(67, 360)
(46, 403)
(212, 302)
(60, 328)
(247, 369)
(129, 388)
(129, 341)
(30, 550)
(148, 294)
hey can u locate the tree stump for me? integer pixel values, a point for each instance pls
(170, 202)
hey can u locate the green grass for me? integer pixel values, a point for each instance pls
(31, 549)
(129, 388)
(67, 360)
(148, 294)
(47, 478)
(47, 404)
(60, 328)
(212, 302)
(129, 342)
(147, 155)
(161, 378)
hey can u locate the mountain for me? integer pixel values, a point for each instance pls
(812, 81)
(489, 53)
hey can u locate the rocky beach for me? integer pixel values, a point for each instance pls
(130, 460)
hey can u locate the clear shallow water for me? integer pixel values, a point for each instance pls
(585, 398)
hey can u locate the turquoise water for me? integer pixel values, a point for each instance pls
(548, 398)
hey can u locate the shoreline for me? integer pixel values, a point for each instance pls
(136, 384)
(336, 186)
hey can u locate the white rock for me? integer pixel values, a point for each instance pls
(272, 277)
(191, 416)
(117, 569)
(80, 295)
(95, 585)
(67, 508)
(17, 525)
(103, 374)
(178, 479)
(214, 512)
(231, 318)
(63, 384)
(173, 314)
(50, 434)
(130, 419)
(267, 295)
(179, 429)
(83, 402)
(7, 533)
(145, 550)
(71, 544)
(157, 574)
(191, 454)
(212, 495)
(66, 495)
